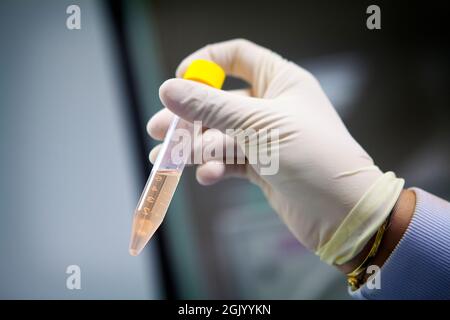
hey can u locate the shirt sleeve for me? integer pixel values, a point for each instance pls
(419, 266)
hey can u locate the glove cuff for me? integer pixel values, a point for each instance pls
(363, 220)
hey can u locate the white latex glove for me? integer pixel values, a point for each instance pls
(327, 190)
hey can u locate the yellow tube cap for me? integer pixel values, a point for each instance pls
(206, 72)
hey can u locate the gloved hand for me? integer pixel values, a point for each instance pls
(327, 189)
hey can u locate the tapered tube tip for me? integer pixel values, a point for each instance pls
(133, 252)
(137, 243)
(142, 231)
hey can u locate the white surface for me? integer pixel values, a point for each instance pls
(68, 182)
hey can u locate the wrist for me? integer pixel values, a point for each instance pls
(400, 218)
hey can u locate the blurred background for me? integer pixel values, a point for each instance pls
(74, 151)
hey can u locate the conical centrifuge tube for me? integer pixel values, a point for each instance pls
(166, 172)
